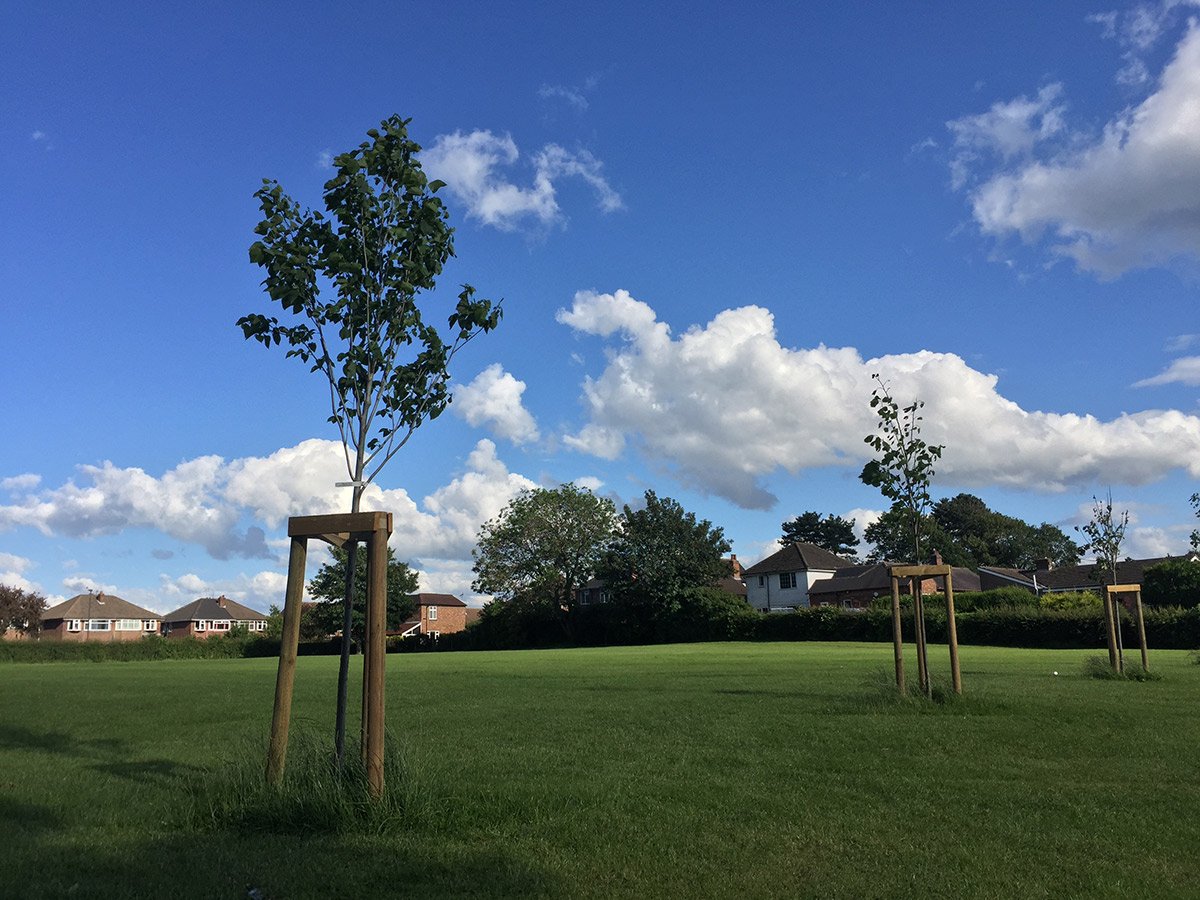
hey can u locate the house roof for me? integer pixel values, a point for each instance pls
(97, 606)
(798, 557)
(1085, 577)
(876, 577)
(437, 600)
(206, 608)
(240, 612)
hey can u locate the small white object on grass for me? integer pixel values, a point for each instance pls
(1055, 673)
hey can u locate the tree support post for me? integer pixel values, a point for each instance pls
(952, 635)
(1110, 629)
(1110, 597)
(922, 647)
(338, 530)
(897, 635)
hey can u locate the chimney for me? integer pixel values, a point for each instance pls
(1042, 565)
(937, 557)
(737, 566)
(222, 600)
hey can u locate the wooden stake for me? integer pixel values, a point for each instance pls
(952, 635)
(1141, 626)
(376, 655)
(922, 655)
(288, 646)
(1109, 614)
(897, 636)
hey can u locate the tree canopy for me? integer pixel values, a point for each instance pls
(831, 532)
(905, 462)
(1175, 582)
(543, 545)
(660, 554)
(328, 587)
(20, 610)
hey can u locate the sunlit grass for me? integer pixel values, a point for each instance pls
(691, 770)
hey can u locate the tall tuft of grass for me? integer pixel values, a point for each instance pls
(314, 797)
(1098, 667)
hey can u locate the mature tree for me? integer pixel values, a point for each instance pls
(20, 610)
(832, 532)
(985, 537)
(891, 539)
(349, 281)
(1105, 534)
(662, 553)
(329, 584)
(1175, 582)
(905, 464)
(544, 544)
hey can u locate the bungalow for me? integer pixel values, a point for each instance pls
(435, 614)
(98, 617)
(783, 580)
(1044, 578)
(854, 587)
(211, 616)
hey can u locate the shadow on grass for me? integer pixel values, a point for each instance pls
(14, 737)
(18, 816)
(160, 770)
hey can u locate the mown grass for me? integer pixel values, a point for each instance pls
(692, 770)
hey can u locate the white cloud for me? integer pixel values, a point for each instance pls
(1129, 198)
(726, 404)
(26, 482)
(1182, 342)
(1008, 129)
(573, 95)
(493, 399)
(470, 165)
(15, 563)
(325, 159)
(1185, 370)
(863, 519)
(258, 590)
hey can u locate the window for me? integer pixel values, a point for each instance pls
(129, 625)
(148, 625)
(72, 624)
(435, 634)
(787, 580)
(762, 580)
(98, 624)
(432, 615)
(200, 625)
(219, 625)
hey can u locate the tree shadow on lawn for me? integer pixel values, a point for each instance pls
(14, 737)
(269, 867)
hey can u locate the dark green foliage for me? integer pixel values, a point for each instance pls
(1195, 501)
(891, 539)
(20, 610)
(1098, 667)
(1175, 582)
(543, 546)
(662, 553)
(1105, 534)
(316, 796)
(905, 462)
(328, 588)
(989, 538)
(833, 533)
(146, 648)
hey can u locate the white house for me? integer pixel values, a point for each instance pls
(781, 581)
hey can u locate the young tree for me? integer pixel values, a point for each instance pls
(328, 587)
(660, 554)
(348, 281)
(1105, 534)
(833, 533)
(905, 465)
(544, 544)
(1196, 533)
(20, 610)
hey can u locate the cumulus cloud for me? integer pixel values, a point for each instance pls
(13, 571)
(1137, 30)
(258, 590)
(18, 483)
(726, 404)
(472, 164)
(1127, 198)
(572, 95)
(1185, 370)
(493, 399)
(224, 506)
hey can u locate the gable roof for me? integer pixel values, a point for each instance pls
(437, 600)
(796, 558)
(97, 606)
(1083, 577)
(877, 577)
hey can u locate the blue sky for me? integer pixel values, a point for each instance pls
(709, 229)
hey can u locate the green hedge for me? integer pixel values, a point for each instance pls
(155, 647)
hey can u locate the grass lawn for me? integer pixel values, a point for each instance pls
(689, 770)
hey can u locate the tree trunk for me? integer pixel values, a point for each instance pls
(339, 727)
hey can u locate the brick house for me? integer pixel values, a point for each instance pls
(1044, 578)
(212, 616)
(854, 587)
(98, 617)
(436, 614)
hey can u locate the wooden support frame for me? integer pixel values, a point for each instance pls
(917, 574)
(374, 528)
(1110, 598)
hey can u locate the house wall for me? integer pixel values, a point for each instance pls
(449, 620)
(56, 630)
(758, 595)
